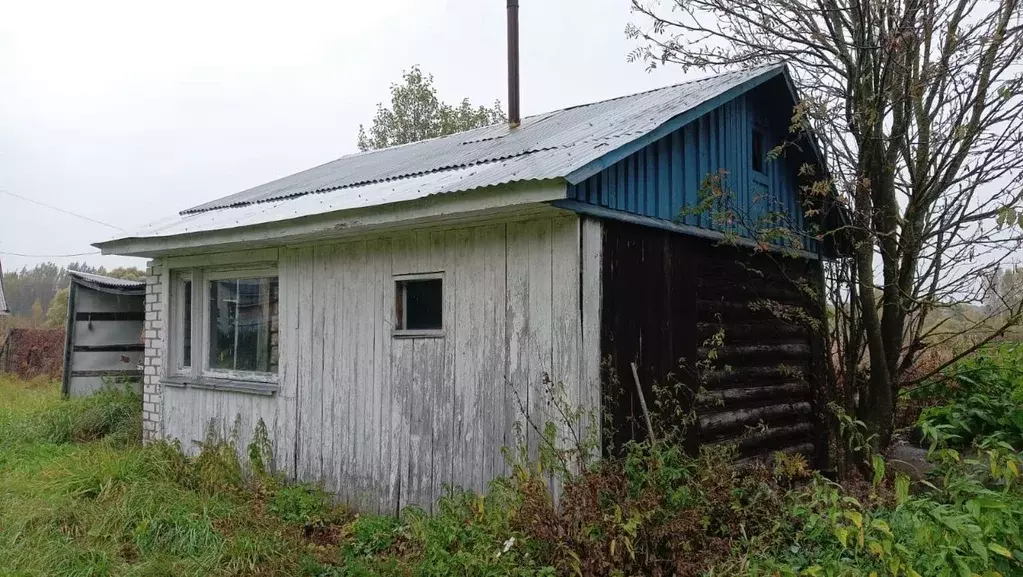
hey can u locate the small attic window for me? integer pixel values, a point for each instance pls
(758, 151)
(419, 306)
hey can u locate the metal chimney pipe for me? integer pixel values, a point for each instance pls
(513, 63)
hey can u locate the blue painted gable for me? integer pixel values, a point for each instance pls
(663, 179)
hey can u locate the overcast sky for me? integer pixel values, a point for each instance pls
(127, 112)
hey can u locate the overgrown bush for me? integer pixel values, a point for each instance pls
(655, 511)
(968, 523)
(981, 397)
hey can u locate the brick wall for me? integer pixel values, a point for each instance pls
(155, 330)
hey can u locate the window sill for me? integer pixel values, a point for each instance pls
(418, 334)
(250, 387)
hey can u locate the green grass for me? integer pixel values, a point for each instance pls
(79, 496)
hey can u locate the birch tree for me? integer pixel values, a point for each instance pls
(918, 109)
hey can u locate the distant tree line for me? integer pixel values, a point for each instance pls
(38, 296)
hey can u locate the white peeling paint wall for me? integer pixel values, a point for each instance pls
(387, 422)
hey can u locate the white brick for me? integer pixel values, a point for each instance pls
(150, 370)
(150, 334)
(149, 425)
(149, 407)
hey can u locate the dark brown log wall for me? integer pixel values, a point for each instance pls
(665, 295)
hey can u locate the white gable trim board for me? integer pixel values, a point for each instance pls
(382, 419)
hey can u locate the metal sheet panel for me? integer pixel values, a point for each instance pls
(107, 333)
(100, 282)
(93, 301)
(104, 337)
(106, 361)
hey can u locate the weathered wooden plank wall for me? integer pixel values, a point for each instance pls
(387, 422)
(665, 295)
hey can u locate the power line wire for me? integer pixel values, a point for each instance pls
(49, 255)
(58, 209)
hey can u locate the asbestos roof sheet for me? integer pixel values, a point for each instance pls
(545, 146)
(108, 282)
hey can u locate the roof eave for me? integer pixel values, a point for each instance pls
(438, 209)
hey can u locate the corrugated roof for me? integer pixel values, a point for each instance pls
(365, 196)
(544, 147)
(108, 282)
(555, 143)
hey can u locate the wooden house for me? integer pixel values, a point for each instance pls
(389, 316)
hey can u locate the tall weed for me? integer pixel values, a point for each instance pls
(980, 397)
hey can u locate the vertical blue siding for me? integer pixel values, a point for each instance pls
(665, 177)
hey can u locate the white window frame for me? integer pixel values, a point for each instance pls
(176, 343)
(200, 371)
(417, 333)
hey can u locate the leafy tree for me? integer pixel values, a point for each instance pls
(56, 314)
(416, 113)
(918, 109)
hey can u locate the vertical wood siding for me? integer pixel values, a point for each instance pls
(387, 422)
(665, 177)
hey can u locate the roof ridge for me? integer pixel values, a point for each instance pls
(765, 68)
(556, 110)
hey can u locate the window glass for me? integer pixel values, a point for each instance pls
(758, 151)
(186, 325)
(420, 304)
(243, 332)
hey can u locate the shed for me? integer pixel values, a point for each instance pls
(103, 341)
(391, 316)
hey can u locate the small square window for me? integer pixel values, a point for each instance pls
(758, 151)
(419, 304)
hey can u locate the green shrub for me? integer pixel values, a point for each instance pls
(980, 397)
(971, 523)
(301, 504)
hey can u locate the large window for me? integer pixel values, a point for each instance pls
(243, 324)
(234, 336)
